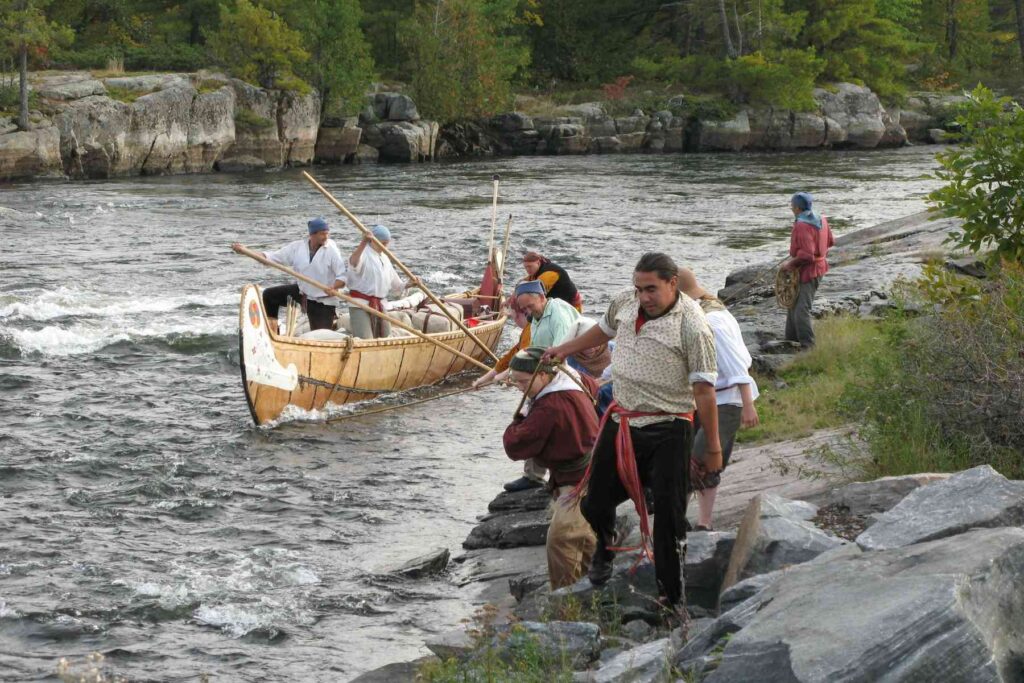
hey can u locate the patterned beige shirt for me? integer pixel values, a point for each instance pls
(654, 370)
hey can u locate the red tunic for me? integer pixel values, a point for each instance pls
(559, 431)
(809, 246)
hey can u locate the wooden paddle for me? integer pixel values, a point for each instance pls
(504, 250)
(358, 304)
(401, 266)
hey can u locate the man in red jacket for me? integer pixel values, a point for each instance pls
(808, 249)
(557, 427)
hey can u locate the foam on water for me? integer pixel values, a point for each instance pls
(85, 338)
(68, 301)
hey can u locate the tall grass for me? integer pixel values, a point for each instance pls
(939, 392)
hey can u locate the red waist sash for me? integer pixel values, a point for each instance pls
(625, 465)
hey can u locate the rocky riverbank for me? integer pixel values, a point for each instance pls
(91, 127)
(810, 579)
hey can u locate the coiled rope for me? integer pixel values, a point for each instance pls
(787, 285)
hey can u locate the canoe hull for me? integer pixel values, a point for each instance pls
(280, 371)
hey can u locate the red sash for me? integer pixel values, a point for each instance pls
(625, 464)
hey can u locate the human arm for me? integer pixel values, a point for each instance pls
(357, 255)
(748, 417)
(801, 247)
(592, 337)
(527, 436)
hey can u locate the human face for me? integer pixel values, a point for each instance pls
(521, 380)
(531, 267)
(532, 304)
(385, 243)
(656, 295)
(795, 209)
(319, 238)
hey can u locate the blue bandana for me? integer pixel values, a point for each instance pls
(317, 224)
(530, 287)
(804, 201)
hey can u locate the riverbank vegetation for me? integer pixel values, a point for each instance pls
(466, 58)
(935, 386)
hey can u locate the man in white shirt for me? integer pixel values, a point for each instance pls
(371, 277)
(735, 393)
(318, 258)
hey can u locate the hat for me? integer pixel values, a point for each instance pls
(381, 233)
(317, 224)
(530, 287)
(528, 359)
(803, 201)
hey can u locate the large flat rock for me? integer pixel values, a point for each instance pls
(978, 497)
(949, 610)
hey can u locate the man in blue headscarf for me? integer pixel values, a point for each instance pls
(317, 257)
(372, 278)
(809, 243)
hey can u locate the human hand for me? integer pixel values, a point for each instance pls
(484, 379)
(749, 418)
(554, 354)
(237, 247)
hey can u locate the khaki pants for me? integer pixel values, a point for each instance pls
(366, 326)
(570, 541)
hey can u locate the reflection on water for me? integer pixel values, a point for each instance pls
(146, 518)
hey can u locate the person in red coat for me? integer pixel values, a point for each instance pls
(557, 427)
(809, 243)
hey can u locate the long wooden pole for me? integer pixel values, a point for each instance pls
(401, 266)
(504, 250)
(494, 217)
(358, 304)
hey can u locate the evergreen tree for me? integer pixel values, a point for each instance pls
(257, 45)
(24, 27)
(340, 66)
(462, 64)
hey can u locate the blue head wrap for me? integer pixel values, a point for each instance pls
(381, 233)
(317, 224)
(530, 287)
(804, 201)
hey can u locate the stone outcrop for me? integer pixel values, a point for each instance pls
(163, 123)
(31, 153)
(948, 609)
(983, 498)
(338, 140)
(864, 498)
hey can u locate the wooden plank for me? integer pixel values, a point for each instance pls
(302, 395)
(326, 365)
(414, 365)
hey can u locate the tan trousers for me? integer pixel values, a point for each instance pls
(570, 541)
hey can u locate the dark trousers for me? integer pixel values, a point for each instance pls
(663, 462)
(321, 316)
(798, 318)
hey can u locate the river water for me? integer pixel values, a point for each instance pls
(141, 513)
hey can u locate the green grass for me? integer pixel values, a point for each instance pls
(208, 85)
(124, 94)
(247, 119)
(814, 383)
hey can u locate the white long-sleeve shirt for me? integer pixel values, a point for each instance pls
(326, 266)
(374, 275)
(733, 359)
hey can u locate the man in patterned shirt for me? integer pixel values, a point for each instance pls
(663, 367)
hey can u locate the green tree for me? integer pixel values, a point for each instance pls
(858, 45)
(24, 27)
(985, 177)
(462, 62)
(257, 45)
(340, 66)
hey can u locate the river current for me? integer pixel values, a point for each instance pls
(143, 516)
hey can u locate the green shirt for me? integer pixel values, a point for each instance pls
(554, 325)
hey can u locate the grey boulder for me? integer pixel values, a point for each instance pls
(949, 610)
(509, 531)
(864, 498)
(649, 663)
(576, 641)
(978, 497)
(428, 564)
(775, 533)
(707, 557)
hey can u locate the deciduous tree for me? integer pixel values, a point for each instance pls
(24, 27)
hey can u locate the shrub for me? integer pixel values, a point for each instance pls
(985, 177)
(256, 45)
(178, 57)
(952, 396)
(248, 120)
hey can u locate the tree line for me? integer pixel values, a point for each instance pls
(466, 58)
